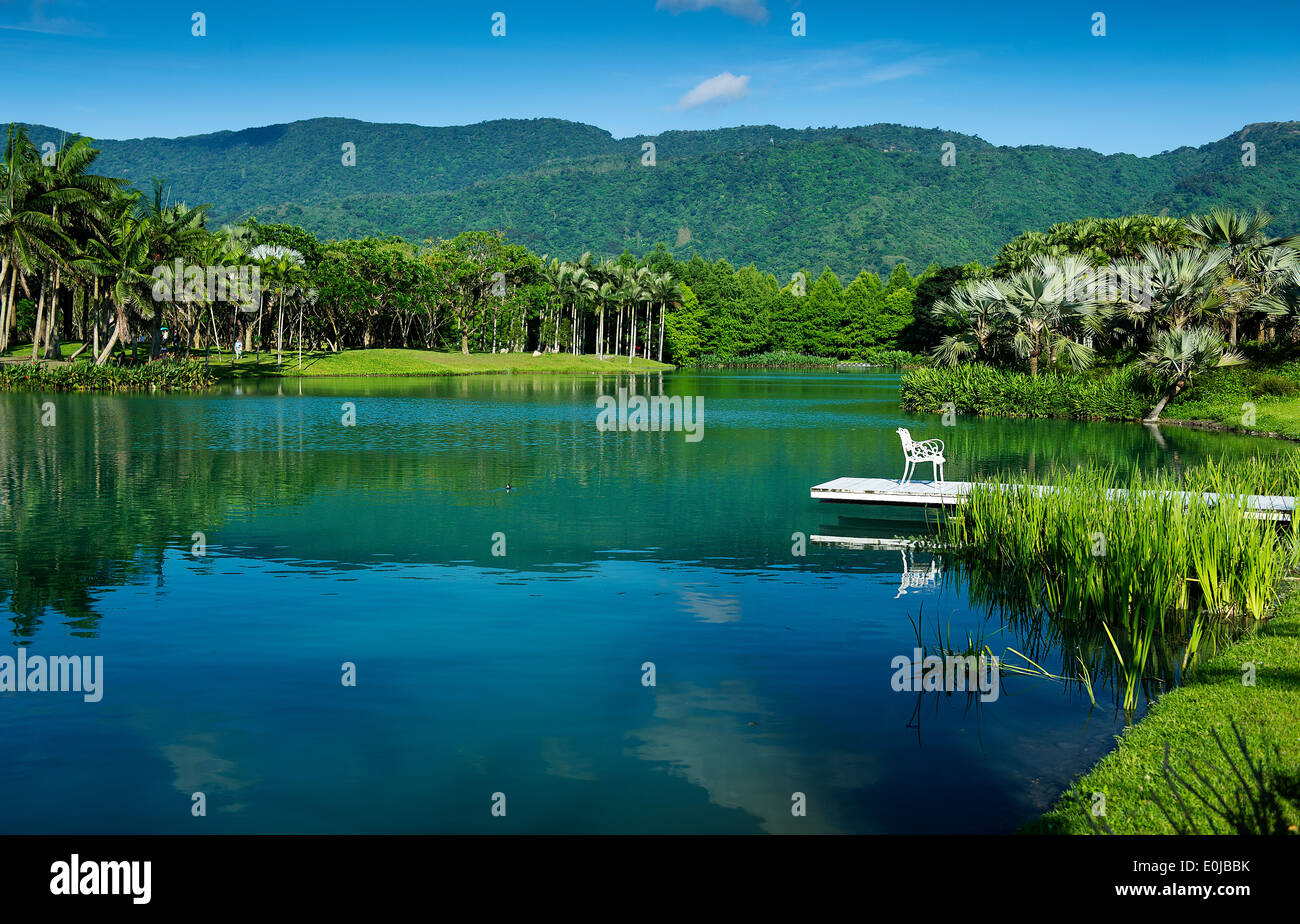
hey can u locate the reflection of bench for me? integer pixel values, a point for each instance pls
(914, 577)
(923, 451)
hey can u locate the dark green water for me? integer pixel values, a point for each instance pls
(522, 673)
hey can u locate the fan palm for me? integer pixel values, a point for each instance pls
(1178, 355)
(977, 306)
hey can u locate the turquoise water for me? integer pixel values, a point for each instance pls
(518, 673)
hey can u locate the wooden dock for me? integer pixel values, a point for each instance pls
(949, 493)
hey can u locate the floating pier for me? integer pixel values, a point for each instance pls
(949, 493)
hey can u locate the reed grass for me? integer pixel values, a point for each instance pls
(1133, 568)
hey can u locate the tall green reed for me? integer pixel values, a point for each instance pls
(1144, 569)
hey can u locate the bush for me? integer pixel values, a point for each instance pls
(778, 359)
(894, 359)
(1125, 394)
(84, 376)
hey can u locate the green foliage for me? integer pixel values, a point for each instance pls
(166, 374)
(1144, 570)
(776, 359)
(976, 388)
(780, 198)
(684, 329)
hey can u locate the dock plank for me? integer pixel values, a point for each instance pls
(948, 493)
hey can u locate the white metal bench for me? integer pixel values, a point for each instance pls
(922, 451)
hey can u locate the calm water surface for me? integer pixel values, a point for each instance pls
(519, 674)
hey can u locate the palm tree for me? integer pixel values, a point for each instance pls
(640, 284)
(666, 291)
(977, 306)
(1269, 289)
(125, 261)
(1175, 289)
(553, 275)
(284, 273)
(1035, 306)
(1180, 354)
(176, 232)
(30, 235)
(76, 200)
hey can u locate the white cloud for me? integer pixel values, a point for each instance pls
(726, 86)
(753, 10)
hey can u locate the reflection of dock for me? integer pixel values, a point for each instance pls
(949, 493)
(850, 542)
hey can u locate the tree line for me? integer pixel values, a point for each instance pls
(85, 258)
(1173, 295)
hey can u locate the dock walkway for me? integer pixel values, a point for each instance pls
(949, 493)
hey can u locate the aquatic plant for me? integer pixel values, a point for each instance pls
(1145, 570)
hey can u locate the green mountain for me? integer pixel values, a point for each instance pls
(782, 198)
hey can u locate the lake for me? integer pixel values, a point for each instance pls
(518, 673)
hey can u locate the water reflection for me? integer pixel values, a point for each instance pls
(374, 544)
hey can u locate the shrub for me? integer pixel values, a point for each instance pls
(777, 359)
(1125, 394)
(82, 376)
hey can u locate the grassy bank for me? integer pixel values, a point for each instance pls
(1267, 715)
(1250, 400)
(1253, 399)
(423, 362)
(351, 363)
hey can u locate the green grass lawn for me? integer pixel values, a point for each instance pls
(1273, 414)
(403, 362)
(24, 351)
(1267, 714)
(1220, 397)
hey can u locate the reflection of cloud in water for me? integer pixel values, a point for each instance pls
(563, 761)
(709, 608)
(198, 769)
(703, 735)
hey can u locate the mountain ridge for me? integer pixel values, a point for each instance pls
(848, 197)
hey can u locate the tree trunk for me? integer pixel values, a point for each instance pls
(112, 341)
(40, 314)
(1164, 400)
(4, 303)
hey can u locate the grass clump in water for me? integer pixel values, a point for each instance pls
(1134, 577)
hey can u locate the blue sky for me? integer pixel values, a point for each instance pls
(1165, 74)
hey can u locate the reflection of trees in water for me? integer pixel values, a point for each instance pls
(984, 449)
(100, 499)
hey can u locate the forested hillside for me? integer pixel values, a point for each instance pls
(783, 199)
